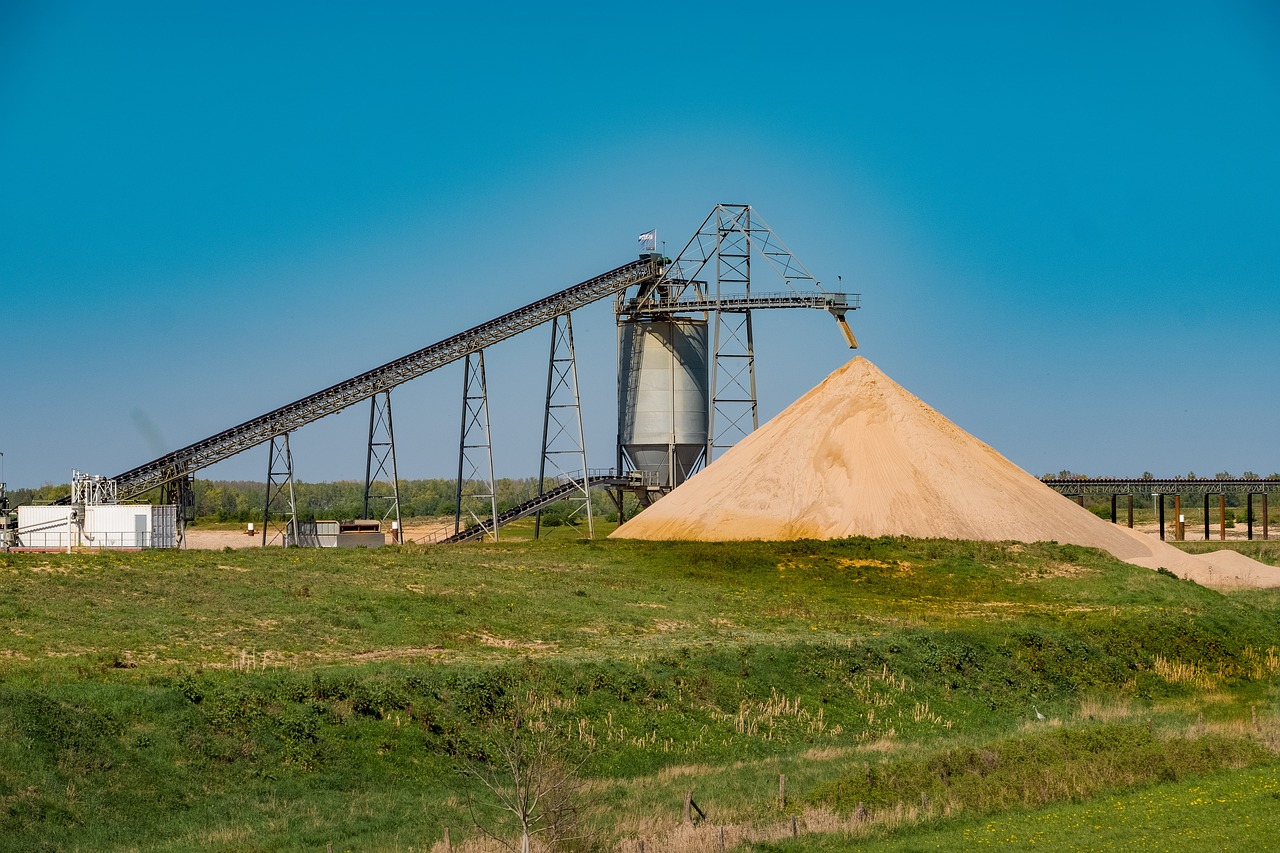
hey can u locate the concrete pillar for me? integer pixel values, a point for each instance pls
(1131, 510)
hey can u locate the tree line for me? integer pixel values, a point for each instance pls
(242, 500)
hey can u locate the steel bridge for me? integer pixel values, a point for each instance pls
(1177, 488)
(656, 285)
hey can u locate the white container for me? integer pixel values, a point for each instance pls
(105, 526)
(43, 526)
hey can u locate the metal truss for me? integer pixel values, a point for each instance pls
(280, 513)
(713, 273)
(93, 489)
(338, 397)
(1173, 486)
(381, 480)
(734, 410)
(475, 450)
(181, 494)
(564, 448)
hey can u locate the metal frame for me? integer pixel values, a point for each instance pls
(475, 441)
(562, 415)
(281, 523)
(338, 397)
(381, 454)
(181, 493)
(713, 273)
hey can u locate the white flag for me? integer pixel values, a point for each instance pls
(649, 240)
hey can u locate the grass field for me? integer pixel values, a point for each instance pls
(284, 700)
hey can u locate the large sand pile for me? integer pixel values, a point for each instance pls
(860, 456)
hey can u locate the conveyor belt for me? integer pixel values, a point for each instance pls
(532, 505)
(285, 419)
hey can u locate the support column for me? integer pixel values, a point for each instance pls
(380, 466)
(280, 513)
(1206, 516)
(179, 492)
(1113, 508)
(1265, 521)
(564, 445)
(1222, 517)
(1249, 513)
(1131, 510)
(475, 450)
(1178, 531)
(1160, 501)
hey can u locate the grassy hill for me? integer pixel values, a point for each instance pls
(285, 700)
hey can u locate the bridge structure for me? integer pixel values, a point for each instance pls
(651, 283)
(1177, 488)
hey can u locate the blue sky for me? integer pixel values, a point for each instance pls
(1063, 217)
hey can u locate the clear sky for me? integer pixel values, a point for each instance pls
(1064, 218)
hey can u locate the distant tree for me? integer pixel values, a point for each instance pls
(1248, 475)
(1222, 475)
(1191, 475)
(1146, 475)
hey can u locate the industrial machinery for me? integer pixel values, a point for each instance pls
(686, 347)
(686, 387)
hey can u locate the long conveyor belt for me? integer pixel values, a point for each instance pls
(251, 433)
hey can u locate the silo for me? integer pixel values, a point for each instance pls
(663, 396)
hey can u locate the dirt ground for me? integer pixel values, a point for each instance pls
(424, 530)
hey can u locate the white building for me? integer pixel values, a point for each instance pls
(103, 526)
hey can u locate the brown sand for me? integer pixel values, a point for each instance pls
(860, 456)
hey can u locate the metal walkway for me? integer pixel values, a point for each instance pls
(285, 419)
(532, 505)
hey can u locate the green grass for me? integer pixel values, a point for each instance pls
(1228, 811)
(274, 700)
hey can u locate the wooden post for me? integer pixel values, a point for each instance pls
(1206, 516)
(1265, 521)
(782, 790)
(795, 828)
(1131, 510)
(1177, 517)
(924, 801)
(1222, 517)
(448, 844)
(1253, 709)
(1248, 514)
(1113, 508)
(722, 839)
(641, 845)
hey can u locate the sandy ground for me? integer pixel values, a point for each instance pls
(418, 530)
(859, 455)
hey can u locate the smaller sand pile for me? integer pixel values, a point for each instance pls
(860, 456)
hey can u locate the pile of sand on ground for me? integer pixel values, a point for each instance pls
(860, 456)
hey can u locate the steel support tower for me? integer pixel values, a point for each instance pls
(564, 446)
(476, 487)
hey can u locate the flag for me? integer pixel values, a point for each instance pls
(649, 240)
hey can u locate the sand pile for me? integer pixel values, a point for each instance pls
(860, 456)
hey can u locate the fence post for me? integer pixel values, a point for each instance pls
(782, 790)
(688, 806)
(448, 844)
